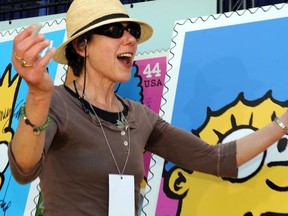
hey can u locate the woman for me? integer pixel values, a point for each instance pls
(81, 138)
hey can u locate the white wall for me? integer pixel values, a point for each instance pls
(161, 14)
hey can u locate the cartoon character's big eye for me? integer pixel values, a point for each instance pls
(250, 168)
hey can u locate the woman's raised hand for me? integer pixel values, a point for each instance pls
(29, 64)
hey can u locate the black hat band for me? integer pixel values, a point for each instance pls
(101, 19)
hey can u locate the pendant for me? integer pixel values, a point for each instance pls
(121, 122)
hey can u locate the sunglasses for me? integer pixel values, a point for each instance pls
(116, 30)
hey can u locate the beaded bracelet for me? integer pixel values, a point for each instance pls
(281, 124)
(36, 129)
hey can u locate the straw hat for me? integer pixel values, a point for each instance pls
(84, 15)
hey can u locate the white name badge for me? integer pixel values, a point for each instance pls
(121, 195)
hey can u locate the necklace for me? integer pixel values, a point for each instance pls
(108, 144)
(120, 121)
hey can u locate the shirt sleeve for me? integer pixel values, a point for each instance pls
(23, 177)
(190, 152)
(19, 176)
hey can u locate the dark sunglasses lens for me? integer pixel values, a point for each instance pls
(134, 29)
(114, 30)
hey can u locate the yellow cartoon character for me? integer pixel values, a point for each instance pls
(8, 91)
(261, 188)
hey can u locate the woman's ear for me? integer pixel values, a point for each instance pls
(80, 47)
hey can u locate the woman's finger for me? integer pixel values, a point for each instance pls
(25, 40)
(44, 61)
(23, 34)
(33, 53)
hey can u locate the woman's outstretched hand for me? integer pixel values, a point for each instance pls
(28, 62)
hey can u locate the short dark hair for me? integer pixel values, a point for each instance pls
(75, 61)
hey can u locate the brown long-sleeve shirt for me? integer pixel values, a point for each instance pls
(76, 161)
